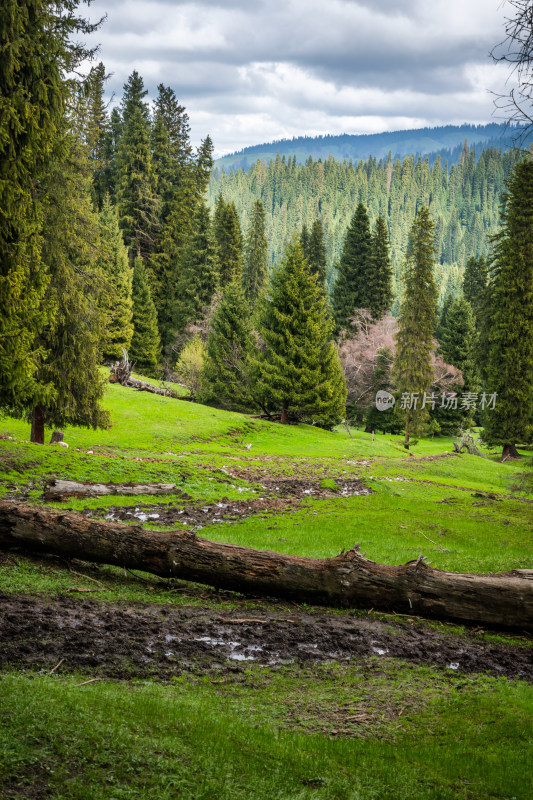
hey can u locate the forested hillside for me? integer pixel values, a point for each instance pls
(446, 141)
(463, 199)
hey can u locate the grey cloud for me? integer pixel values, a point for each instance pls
(219, 56)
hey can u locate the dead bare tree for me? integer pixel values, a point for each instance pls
(516, 49)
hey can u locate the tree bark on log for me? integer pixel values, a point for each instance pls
(348, 580)
(58, 489)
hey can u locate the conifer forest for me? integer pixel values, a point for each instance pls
(266, 429)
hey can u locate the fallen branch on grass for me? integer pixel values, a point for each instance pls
(58, 490)
(348, 580)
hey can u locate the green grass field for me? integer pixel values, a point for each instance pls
(384, 730)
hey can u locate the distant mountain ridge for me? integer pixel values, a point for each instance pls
(446, 141)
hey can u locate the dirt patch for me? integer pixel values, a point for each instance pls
(277, 497)
(148, 640)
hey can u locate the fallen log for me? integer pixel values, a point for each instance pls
(348, 580)
(59, 489)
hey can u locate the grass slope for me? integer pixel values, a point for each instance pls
(378, 730)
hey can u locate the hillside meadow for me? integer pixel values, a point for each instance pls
(99, 702)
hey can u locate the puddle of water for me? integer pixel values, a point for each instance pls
(241, 657)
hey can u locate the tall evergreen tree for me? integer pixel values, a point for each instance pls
(230, 348)
(380, 274)
(304, 240)
(71, 340)
(299, 371)
(458, 346)
(412, 371)
(229, 243)
(137, 201)
(144, 348)
(198, 279)
(255, 266)
(97, 131)
(116, 299)
(475, 282)
(175, 172)
(316, 253)
(510, 337)
(36, 54)
(111, 139)
(351, 287)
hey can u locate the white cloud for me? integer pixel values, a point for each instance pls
(250, 72)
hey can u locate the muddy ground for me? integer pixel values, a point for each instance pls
(149, 640)
(275, 497)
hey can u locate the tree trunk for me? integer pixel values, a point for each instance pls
(284, 415)
(510, 453)
(348, 580)
(37, 425)
(407, 421)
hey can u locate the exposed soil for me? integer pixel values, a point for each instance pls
(149, 640)
(276, 497)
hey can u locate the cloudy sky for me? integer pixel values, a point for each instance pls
(249, 71)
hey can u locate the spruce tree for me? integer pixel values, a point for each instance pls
(304, 240)
(199, 276)
(316, 253)
(351, 287)
(458, 345)
(255, 266)
(71, 340)
(144, 348)
(137, 201)
(36, 53)
(380, 273)
(230, 348)
(229, 243)
(412, 371)
(116, 296)
(475, 282)
(299, 370)
(97, 132)
(175, 172)
(510, 335)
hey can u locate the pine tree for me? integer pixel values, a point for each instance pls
(36, 52)
(350, 289)
(198, 279)
(316, 253)
(412, 371)
(144, 348)
(229, 243)
(117, 274)
(230, 347)
(510, 338)
(380, 272)
(255, 267)
(299, 371)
